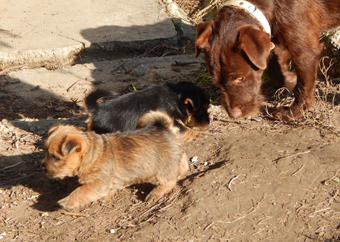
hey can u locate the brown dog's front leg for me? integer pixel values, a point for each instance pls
(304, 97)
(84, 194)
(305, 64)
(278, 71)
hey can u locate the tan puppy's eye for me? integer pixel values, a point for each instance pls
(55, 158)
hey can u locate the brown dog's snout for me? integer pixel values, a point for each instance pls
(235, 112)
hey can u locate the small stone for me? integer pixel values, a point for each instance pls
(45, 214)
(139, 73)
(112, 231)
(41, 133)
(33, 129)
(61, 108)
(194, 159)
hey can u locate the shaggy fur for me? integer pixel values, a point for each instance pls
(183, 101)
(238, 50)
(104, 163)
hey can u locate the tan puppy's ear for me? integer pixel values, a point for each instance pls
(72, 144)
(203, 32)
(52, 130)
(256, 44)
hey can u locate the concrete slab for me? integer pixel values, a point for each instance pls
(54, 31)
(41, 86)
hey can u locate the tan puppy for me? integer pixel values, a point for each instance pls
(105, 163)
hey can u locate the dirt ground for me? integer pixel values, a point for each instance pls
(255, 179)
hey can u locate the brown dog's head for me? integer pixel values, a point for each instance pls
(65, 148)
(236, 52)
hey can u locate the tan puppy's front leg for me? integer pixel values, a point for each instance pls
(159, 191)
(84, 194)
(110, 195)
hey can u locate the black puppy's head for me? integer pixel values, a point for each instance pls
(196, 104)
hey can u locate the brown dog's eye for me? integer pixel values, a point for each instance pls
(55, 158)
(238, 79)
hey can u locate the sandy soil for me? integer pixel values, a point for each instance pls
(250, 179)
(253, 179)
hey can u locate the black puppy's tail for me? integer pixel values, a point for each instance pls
(157, 119)
(91, 99)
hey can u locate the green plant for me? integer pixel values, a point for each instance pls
(134, 88)
(216, 101)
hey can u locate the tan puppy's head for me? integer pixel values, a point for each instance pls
(65, 148)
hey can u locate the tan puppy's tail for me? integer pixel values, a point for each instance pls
(157, 119)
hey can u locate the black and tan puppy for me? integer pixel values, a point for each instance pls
(104, 163)
(182, 101)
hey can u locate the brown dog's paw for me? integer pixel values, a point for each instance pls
(287, 114)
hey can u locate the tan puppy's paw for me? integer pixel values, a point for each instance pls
(73, 200)
(153, 197)
(68, 203)
(108, 197)
(159, 192)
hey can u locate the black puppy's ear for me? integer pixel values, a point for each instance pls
(194, 102)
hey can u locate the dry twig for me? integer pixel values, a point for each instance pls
(286, 156)
(12, 68)
(68, 89)
(75, 214)
(324, 69)
(298, 170)
(114, 69)
(252, 211)
(213, 4)
(231, 181)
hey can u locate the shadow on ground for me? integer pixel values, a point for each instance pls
(28, 108)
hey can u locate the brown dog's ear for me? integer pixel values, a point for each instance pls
(72, 144)
(256, 44)
(203, 32)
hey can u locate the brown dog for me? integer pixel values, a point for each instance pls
(105, 163)
(238, 44)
